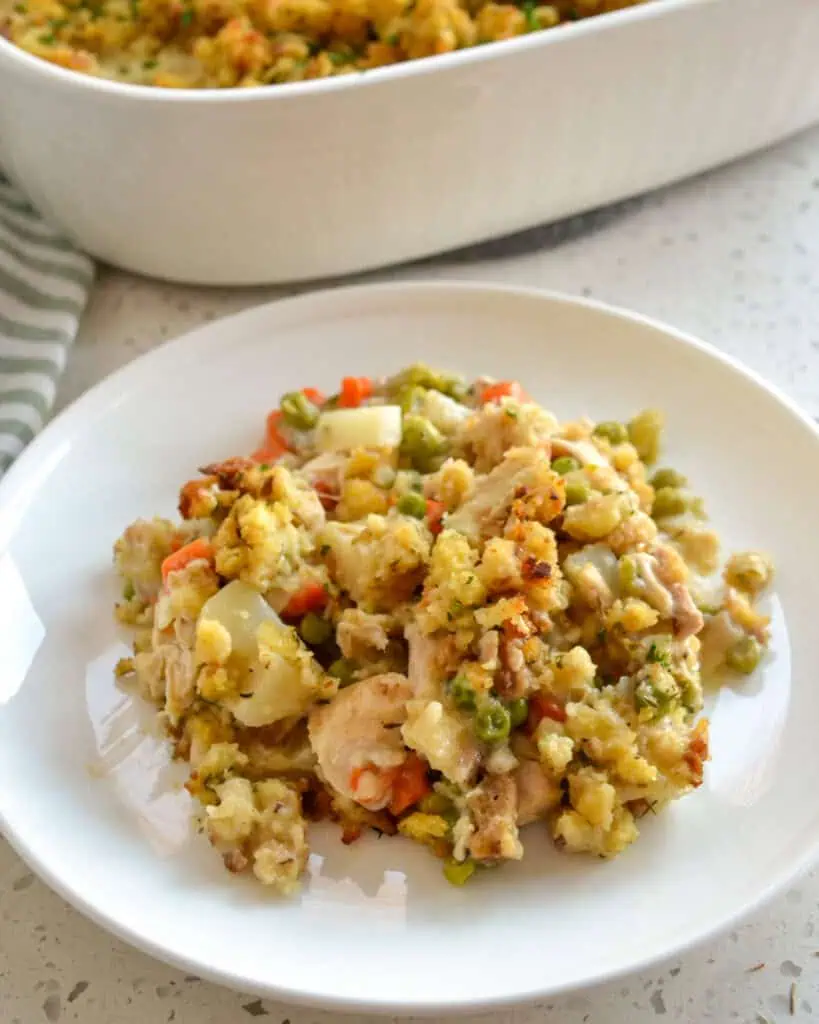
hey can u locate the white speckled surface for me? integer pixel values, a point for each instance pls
(733, 257)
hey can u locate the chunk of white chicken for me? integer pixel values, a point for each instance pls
(357, 741)
(538, 791)
(668, 596)
(593, 572)
(687, 619)
(493, 807)
(430, 659)
(362, 635)
(649, 587)
(524, 473)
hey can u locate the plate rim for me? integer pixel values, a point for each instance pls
(104, 394)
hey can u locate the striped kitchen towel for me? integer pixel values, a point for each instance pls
(44, 285)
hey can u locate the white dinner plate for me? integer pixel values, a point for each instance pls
(87, 797)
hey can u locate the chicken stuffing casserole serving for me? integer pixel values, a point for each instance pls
(430, 608)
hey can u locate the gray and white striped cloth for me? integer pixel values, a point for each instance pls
(44, 285)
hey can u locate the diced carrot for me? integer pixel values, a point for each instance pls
(354, 390)
(310, 598)
(315, 396)
(435, 515)
(275, 441)
(541, 707)
(503, 389)
(199, 548)
(410, 784)
(267, 455)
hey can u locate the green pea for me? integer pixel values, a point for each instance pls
(343, 670)
(422, 442)
(565, 465)
(612, 431)
(577, 491)
(412, 504)
(455, 388)
(696, 506)
(298, 411)
(628, 575)
(462, 694)
(458, 872)
(518, 711)
(128, 592)
(659, 653)
(690, 695)
(744, 656)
(422, 376)
(411, 398)
(668, 478)
(668, 501)
(645, 433)
(315, 629)
(435, 803)
(492, 722)
(418, 373)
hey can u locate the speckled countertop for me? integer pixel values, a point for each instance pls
(733, 257)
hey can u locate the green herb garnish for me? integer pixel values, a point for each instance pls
(658, 655)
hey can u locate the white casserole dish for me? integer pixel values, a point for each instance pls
(341, 175)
